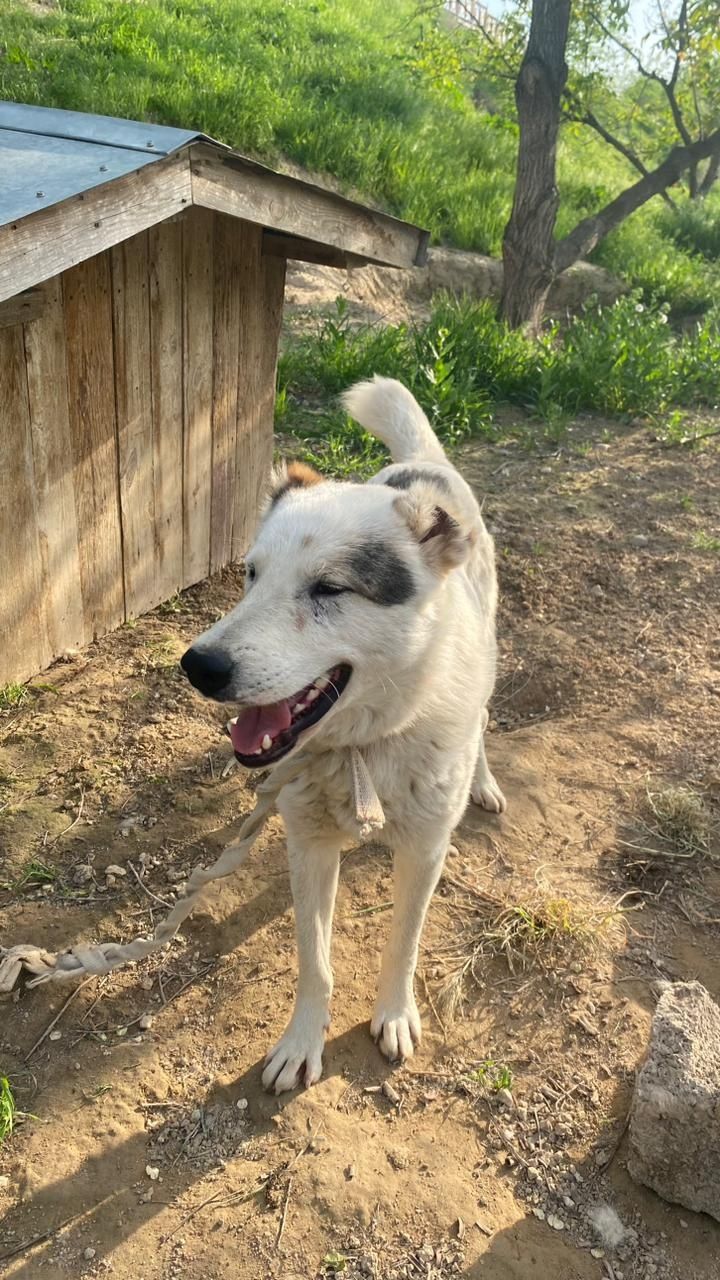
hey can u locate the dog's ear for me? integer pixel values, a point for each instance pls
(293, 475)
(444, 539)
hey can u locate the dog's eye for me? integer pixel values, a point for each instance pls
(327, 589)
(250, 572)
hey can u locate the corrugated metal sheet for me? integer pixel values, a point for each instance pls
(47, 155)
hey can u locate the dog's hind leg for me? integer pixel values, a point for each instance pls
(297, 1057)
(485, 790)
(396, 1022)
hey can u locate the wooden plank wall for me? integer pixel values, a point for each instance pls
(136, 409)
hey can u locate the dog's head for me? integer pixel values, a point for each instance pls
(337, 614)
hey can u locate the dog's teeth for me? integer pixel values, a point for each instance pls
(299, 706)
(266, 742)
(322, 683)
(257, 751)
(312, 694)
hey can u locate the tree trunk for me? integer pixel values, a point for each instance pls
(528, 244)
(711, 175)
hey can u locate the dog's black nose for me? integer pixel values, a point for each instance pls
(209, 670)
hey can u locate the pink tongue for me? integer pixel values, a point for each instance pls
(251, 726)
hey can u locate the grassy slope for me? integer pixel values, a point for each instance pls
(330, 84)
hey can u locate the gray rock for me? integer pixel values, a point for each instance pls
(675, 1114)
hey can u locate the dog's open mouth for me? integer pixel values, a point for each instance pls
(262, 735)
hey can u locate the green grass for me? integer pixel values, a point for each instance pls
(12, 695)
(343, 89)
(8, 1109)
(703, 541)
(619, 360)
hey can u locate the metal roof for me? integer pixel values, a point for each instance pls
(48, 155)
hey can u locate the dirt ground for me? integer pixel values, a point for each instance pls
(152, 1152)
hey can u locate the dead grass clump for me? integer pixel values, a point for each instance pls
(544, 929)
(681, 819)
(674, 825)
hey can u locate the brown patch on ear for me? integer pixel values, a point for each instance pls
(297, 475)
(444, 541)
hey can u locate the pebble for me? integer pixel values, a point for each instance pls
(82, 873)
(568, 1202)
(89, 1254)
(391, 1094)
(533, 1173)
(597, 1253)
(505, 1097)
(152, 1172)
(55, 1035)
(4, 1182)
(557, 1224)
(145, 1022)
(242, 1104)
(115, 870)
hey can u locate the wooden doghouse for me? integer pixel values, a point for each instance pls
(142, 272)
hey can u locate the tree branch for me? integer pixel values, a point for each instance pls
(588, 233)
(667, 86)
(583, 115)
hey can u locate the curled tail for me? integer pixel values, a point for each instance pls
(388, 410)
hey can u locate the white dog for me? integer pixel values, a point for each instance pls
(368, 621)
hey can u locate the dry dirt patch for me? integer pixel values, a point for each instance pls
(153, 1139)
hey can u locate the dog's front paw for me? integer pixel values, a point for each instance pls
(297, 1057)
(486, 792)
(395, 1027)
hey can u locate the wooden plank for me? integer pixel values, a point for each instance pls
(198, 293)
(53, 467)
(51, 240)
(275, 244)
(87, 305)
(262, 296)
(133, 400)
(166, 372)
(232, 184)
(24, 649)
(230, 242)
(19, 310)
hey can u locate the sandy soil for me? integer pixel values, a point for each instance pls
(152, 1140)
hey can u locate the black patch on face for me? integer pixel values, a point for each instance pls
(379, 573)
(404, 479)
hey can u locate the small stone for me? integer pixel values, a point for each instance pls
(556, 1223)
(152, 1172)
(89, 1253)
(539, 1213)
(82, 873)
(505, 1097)
(350, 1172)
(597, 1253)
(115, 870)
(242, 1104)
(533, 1173)
(568, 1202)
(391, 1094)
(460, 1228)
(4, 1182)
(683, 1224)
(598, 590)
(145, 1022)
(55, 1035)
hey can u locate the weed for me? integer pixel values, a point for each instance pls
(173, 605)
(687, 502)
(36, 873)
(705, 541)
(159, 655)
(492, 1075)
(8, 1109)
(334, 1264)
(12, 695)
